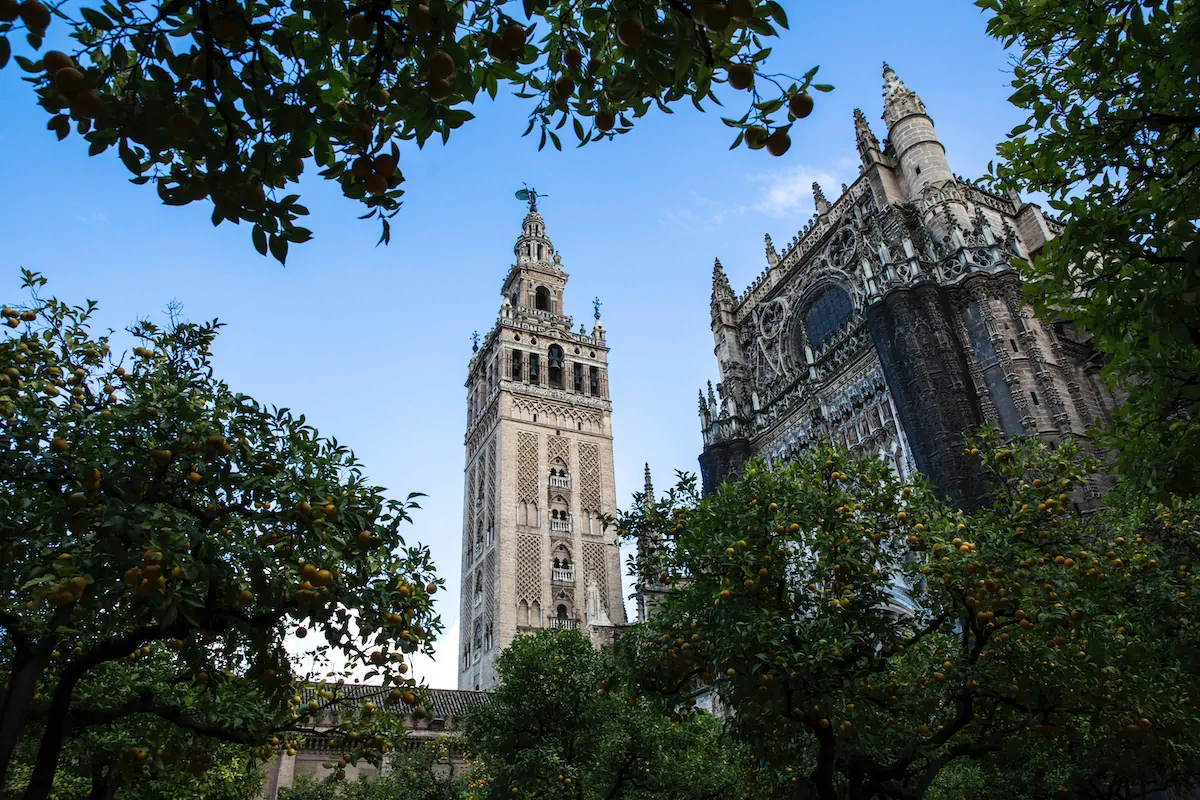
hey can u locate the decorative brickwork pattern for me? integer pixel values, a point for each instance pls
(489, 503)
(529, 569)
(589, 477)
(558, 447)
(469, 521)
(527, 471)
(594, 569)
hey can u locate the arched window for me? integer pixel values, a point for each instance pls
(826, 315)
(562, 612)
(555, 360)
(541, 299)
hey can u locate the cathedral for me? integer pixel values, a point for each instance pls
(894, 321)
(539, 469)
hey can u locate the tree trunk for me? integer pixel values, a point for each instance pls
(46, 765)
(104, 785)
(28, 666)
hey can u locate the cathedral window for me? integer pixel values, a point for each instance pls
(826, 315)
(541, 299)
(577, 369)
(1034, 397)
(516, 365)
(535, 368)
(554, 360)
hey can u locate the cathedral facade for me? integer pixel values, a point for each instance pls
(539, 470)
(894, 321)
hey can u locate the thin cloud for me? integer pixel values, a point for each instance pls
(787, 192)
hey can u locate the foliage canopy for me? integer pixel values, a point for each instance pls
(227, 99)
(869, 638)
(163, 535)
(1113, 91)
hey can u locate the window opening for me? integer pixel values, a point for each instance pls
(827, 315)
(541, 299)
(516, 365)
(554, 360)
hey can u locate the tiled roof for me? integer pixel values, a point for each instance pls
(449, 704)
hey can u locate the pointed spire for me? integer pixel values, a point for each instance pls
(862, 133)
(703, 404)
(772, 253)
(649, 487)
(819, 200)
(898, 100)
(721, 288)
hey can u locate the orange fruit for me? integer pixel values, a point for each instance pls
(605, 120)
(70, 81)
(421, 18)
(573, 58)
(441, 65)
(631, 32)
(53, 61)
(385, 165)
(756, 137)
(512, 36)
(35, 15)
(740, 76)
(564, 87)
(439, 90)
(800, 105)
(741, 10)
(360, 27)
(9, 10)
(376, 185)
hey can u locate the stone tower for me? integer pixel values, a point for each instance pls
(894, 321)
(539, 470)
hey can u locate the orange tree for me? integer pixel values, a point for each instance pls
(867, 637)
(225, 100)
(149, 512)
(562, 725)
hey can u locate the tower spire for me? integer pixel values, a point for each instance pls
(648, 490)
(772, 253)
(721, 289)
(898, 100)
(862, 134)
(533, 245)
(819, 200)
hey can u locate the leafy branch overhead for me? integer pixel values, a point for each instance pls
(227, 100)
(152, 515)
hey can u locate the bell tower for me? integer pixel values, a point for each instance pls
(539, 469)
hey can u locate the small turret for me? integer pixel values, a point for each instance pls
(648, 488)
(819, 201)
(920, 157)
(772, 253)
(721, 290)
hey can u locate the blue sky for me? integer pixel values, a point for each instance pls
(372, 343)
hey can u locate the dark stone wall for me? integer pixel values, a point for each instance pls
(927, 375)
(722, 460)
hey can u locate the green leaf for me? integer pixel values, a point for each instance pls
(5, 51)
(260, 239)
(279, 248)
(96, 19)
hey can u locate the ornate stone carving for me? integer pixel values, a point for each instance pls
(529, 569)
(558, 447)
(527, 467)
(589, 477)
(595, 570)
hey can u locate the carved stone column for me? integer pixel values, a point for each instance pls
(930, 384)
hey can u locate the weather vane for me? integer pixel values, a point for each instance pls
(529, 195)
(596, 304)
(475, 342)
